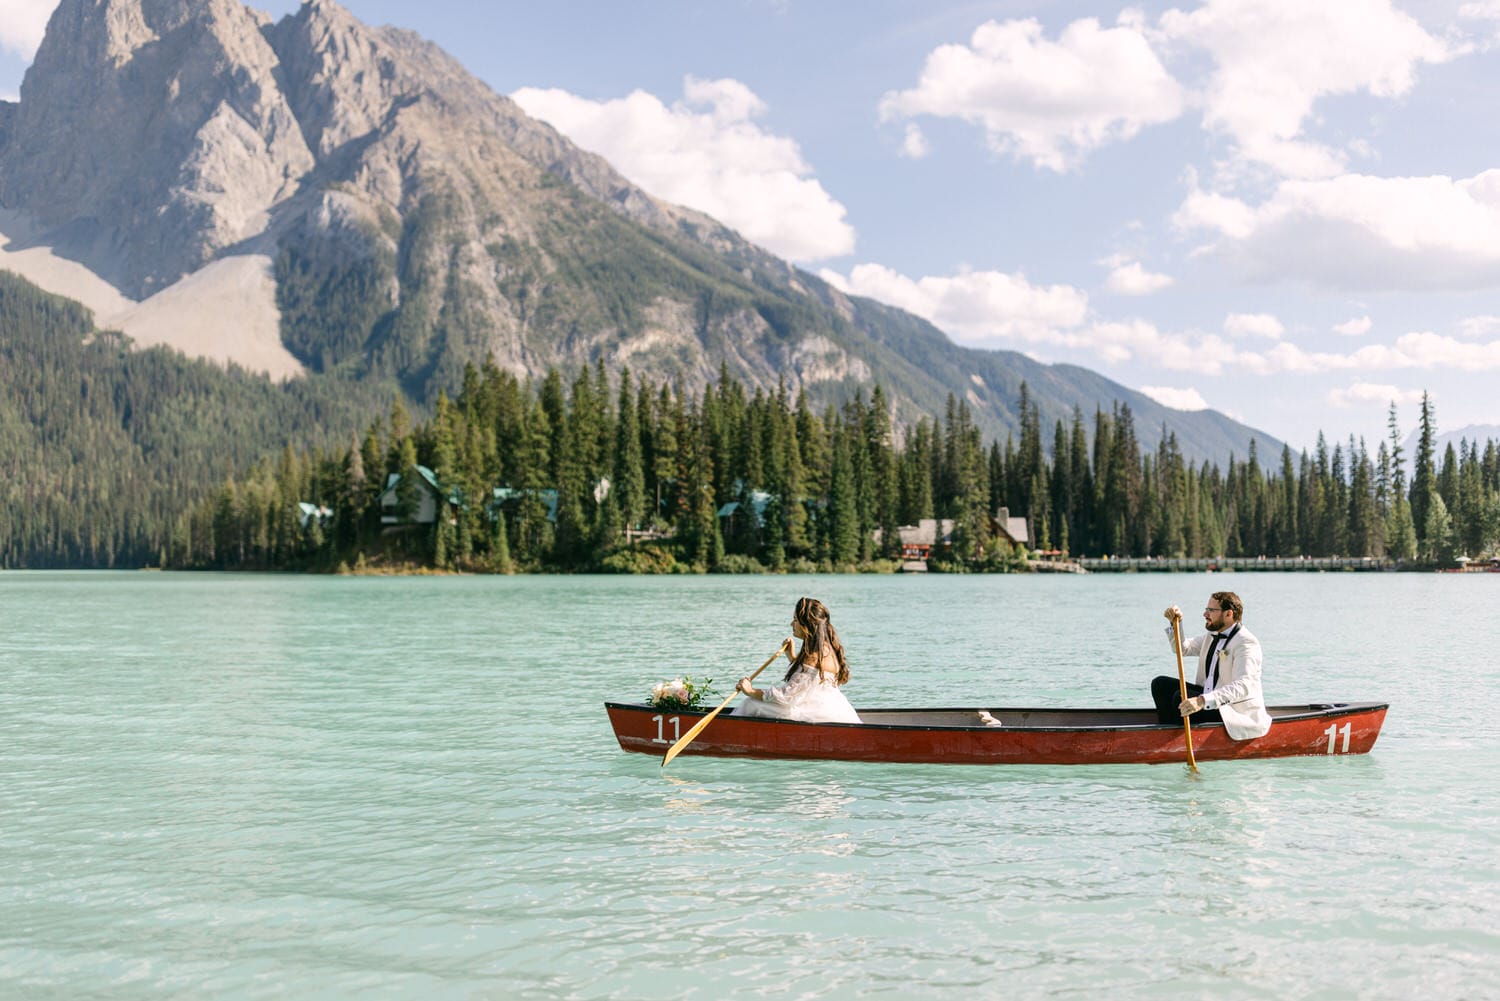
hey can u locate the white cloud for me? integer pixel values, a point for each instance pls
(1362, 233)
(915, 144)
(975, 306)
(1215, 212)
(1474, 327)
(22, 24)
(1354, 327)
(1435, 351)
(1128, 277)
(1120, 340)
(1240, 325)
(1364, 393)
(996, 310)
(1274, 59)
(1177, 399)
(1481, 10)
(1484, 10)
(1051, 103)
(1418, 350)
(989, 309)
(706, 152)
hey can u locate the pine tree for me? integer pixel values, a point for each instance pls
(916, 475)
(1122, 484)
(500, 545)
(1365, 537)
(1286, 534)
(1106, 493)
(855, 427)
(1401, 534)
(1447, 478)
(1081, 483)
(843, 511)
(1171, 535)
(553, 401)
(1437, 543)
(575, 471)
(630, 476)
(666, 456)
(972, 532)
(409, 487)
(533, 473)
(1031, 463)
(1060, 497)
(701, 532)
(1469, 508)
(1423, 477)
(1393, 435)
(879, 441)
(799, 535)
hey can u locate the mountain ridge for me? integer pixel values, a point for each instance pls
(410, 220)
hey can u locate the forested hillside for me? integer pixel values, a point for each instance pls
(656, 477)
(102, 447)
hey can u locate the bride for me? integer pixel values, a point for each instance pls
(810, 691)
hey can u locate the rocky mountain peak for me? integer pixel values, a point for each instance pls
(340, 77)
(151, 135)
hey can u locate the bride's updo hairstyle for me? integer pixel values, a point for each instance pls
(812, 615)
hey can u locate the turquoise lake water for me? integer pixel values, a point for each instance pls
(269, 786)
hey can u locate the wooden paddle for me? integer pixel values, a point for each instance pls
(1187, 726)
(687, 738)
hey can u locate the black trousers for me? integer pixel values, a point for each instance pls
(1167, 694)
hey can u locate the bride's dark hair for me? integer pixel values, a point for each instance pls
(813, 616)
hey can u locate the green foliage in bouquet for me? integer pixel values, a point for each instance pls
(680, 694)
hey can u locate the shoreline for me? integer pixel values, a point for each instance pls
(1121, 566)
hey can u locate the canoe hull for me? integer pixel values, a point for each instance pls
(1026, 736)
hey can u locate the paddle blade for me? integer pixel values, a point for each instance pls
(696, 729)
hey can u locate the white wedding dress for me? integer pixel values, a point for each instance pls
(806, 698)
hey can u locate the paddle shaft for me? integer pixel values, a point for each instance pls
(687, 738)
(1187, 726)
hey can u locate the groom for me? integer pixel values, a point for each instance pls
(1228, 686)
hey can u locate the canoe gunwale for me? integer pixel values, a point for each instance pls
(1279, 714)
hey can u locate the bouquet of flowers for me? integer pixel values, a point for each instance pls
(679, 694)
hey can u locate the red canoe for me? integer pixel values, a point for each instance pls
(1024, 736)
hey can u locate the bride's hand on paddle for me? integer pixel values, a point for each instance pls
(1172, 614)
(744, 686)
(1192, 705)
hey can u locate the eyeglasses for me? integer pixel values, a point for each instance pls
(1212, 609)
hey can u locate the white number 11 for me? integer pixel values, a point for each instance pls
(675, 735)
(1333, 731)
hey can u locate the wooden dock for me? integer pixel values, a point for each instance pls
(1252, 564)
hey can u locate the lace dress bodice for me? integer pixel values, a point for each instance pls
(807, 696)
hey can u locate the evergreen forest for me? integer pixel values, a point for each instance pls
(103, 447)
(630, 475)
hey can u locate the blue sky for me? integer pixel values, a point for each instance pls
(1286, 211)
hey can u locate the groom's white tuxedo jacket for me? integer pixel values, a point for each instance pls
(1236, 682)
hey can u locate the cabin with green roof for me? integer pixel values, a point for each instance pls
(430, 498)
